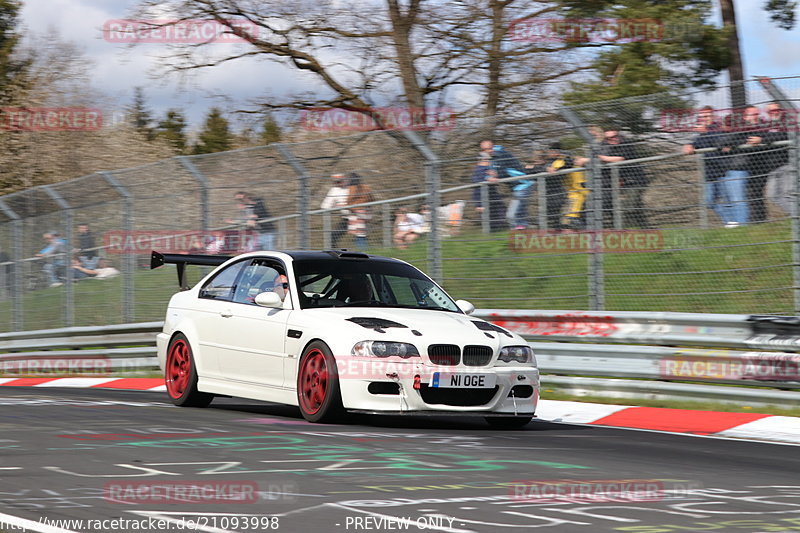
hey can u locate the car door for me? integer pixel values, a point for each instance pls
(253, 337)
(211, 316)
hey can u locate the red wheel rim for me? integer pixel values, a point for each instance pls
(179, 368)
(313, 382)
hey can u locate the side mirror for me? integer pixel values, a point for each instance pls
(465, 306)
(269, 299)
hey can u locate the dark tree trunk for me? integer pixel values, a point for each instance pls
(735, 70)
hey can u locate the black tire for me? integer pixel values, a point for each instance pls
(180, 375)
(508, 422)
(318, 393)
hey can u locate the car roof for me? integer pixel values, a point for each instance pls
(312, 255)
(305, 255)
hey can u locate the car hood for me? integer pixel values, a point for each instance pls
(423, 327)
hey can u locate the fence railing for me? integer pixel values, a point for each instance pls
(85, 351)
(751, 351)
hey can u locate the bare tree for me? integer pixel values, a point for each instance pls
(59, 76)
(781, 12)
(417, 53)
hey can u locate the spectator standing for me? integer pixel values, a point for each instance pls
(87, 252)
(358, 192)
(506, 165)
(718, 193)
(337, 197)
(758, 161)
(265, 229)
(242, 220)
(54, 254)
(780, 182)
(357, 226)
(554, 184)
(521, 191)
(736, 174)
(575, 184)
(254, 211)
(632, 177)
(484, 173)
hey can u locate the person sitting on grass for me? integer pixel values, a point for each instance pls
(407, 227)
(103, 271)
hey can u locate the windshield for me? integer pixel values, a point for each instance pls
(346, 283)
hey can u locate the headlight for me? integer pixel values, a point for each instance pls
(516, 354)
(385, 349)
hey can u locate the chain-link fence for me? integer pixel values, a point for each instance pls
(661, 203)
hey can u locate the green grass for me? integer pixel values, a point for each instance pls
(740, 270)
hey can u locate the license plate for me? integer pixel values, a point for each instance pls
(452, 380)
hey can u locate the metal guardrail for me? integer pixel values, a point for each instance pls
(129, 348)
(576, 350)
(620, 389)
(753, 350)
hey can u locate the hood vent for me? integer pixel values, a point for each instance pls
(377, 324)
(488, 326)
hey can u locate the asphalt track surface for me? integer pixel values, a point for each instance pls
(100, 455)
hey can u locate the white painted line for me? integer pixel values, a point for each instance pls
(10, 468)
(6, 380)
(575, 412)
(15, 522)
(76, 382)
(160, 388)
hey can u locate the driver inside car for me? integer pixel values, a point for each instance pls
(280, 286)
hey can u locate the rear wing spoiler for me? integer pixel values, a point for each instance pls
(181, 260)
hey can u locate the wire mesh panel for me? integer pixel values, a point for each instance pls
(96, 209)
(167, 207)
(44, 248)
(6, 273)
(504, 190)
(722, 243)
(380, 169)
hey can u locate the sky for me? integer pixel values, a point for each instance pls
(118, 68)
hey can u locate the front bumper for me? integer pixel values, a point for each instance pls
(515, 391)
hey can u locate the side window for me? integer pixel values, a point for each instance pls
(223, 285)
(260, 276)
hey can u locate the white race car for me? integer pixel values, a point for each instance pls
(339, 331)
